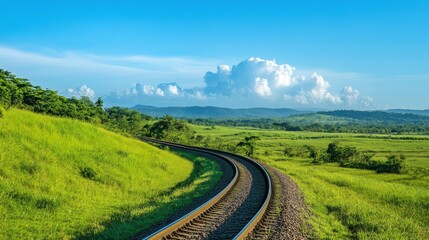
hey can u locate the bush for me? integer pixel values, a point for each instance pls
(296, 151)
(349, 156)
(45, 203)
(316, 154)
(88, 173)
(394, 164)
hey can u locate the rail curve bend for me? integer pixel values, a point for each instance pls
(234, 212)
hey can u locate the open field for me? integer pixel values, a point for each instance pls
(62, 179)
(350, 203)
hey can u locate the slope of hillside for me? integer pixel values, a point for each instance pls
(216, 112)
(61, 179)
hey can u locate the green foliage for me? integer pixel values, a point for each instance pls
(297, 151)
(249, 143)
(171, 129)
(318, 156)
(88, 173)
(394, 164)
(349, 156)
(127, 121)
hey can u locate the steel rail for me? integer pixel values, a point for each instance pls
(249, 227)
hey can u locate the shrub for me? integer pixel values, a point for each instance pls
(88, 173)
(296, 151)
(45, 203)
(316, 154)
(394, 164)
(349, 156)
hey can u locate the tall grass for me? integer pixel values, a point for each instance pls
(62, 179)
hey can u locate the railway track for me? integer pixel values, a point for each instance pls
(231, 214)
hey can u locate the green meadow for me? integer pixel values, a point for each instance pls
(349, 203)
(62, 179)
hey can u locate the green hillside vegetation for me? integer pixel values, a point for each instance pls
(346, 203)
(61, 179)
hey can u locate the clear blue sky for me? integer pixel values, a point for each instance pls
(378, 48)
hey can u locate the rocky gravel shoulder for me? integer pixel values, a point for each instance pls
(287, 212)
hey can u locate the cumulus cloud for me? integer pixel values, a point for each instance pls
(261, 87)
(249, 76)
(367, 101)
(349, 95)
(320, 91)
(255, 80)
(81, 91)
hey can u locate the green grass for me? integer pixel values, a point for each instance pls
(63, 179)
(350, 203)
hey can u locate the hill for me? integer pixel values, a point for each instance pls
(216, 112)
(62, 178)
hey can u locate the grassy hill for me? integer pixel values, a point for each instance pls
(62, 179)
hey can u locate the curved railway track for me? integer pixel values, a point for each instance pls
(234, 212)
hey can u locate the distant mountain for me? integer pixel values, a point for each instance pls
(217, 112)
(411, 111)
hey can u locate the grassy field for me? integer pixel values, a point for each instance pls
(350, 203)
(63, 179)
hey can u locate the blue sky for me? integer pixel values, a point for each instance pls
(306, 54)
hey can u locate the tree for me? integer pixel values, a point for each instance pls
(394, 164)
(249, 144)
(171, 129)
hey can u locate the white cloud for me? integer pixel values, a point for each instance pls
(320, 93)
(173, 90)
(261, 87)
(254, 81)
(159, 92)
(84, 90)
(367, 101)
(349, 95)
(241, 78)
(148, 90)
